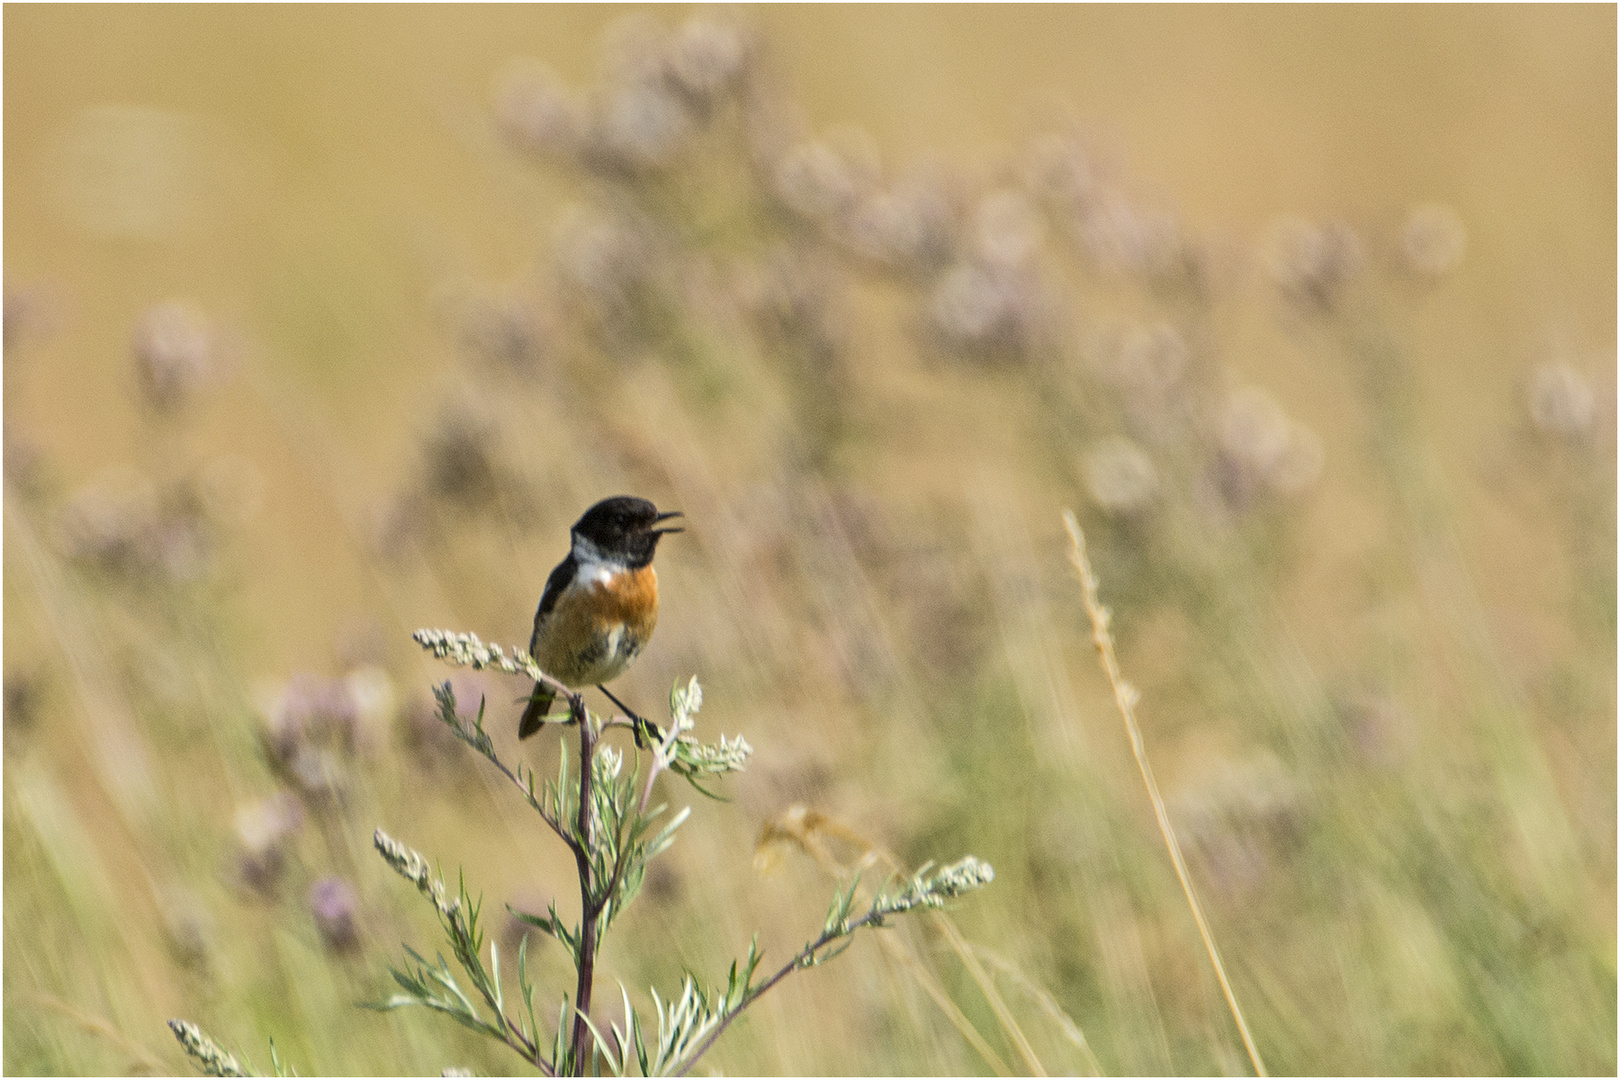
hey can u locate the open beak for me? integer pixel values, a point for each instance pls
(666, 517)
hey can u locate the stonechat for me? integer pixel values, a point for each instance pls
(600, 603)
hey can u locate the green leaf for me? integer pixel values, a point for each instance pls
(602, 1047)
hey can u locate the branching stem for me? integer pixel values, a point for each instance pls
(804, 958)
(590, 903)
(517, 781)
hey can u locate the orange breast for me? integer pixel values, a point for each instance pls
(594, 632)
(630, 598)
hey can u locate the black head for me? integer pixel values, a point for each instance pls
(624, 527)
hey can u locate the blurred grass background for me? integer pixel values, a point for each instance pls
(324, 323)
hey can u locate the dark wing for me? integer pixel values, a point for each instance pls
(556, 585)
(540, 700)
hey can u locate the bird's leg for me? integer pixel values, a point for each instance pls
(638, 724)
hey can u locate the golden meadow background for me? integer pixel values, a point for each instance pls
(323, 324)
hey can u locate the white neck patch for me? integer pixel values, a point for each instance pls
(593, 564)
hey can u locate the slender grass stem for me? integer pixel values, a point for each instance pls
(1125, 698)
(964, 952)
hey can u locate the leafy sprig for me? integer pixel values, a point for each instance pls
(689, 1026)
(432, 985)
(601, 808)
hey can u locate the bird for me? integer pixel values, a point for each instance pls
(600, 604)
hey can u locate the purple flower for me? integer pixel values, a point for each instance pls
(334, 904)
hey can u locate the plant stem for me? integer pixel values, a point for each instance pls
(526, 791)
(588, 901)
(801, 959)
(1125, 701)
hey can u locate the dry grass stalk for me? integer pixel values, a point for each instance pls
(1047, 1003)
(1125, 697)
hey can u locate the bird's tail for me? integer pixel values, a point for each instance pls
(535, 715)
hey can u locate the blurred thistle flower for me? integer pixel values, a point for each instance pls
(311, 709)
(1561, 401)
(708, 60)
(1150, 365)
(1007, 230)
(174, 353)
(1059, 171)
(642, 127)
(794, 298)
(1312, 263)
(187, 924)
(311, 730)
(990, 313)
(910, 227)
(614, 267)
(537, 113)
(263, 831)
(463, 467)
(1125, 240)
(1120, 477)
(818, 183)
(506, 333)
(1238, 818)
(23, 702)
(321, 775)
(1432, 240)
(112, 523)
(121, 523)
(335, 907)
(429, 741)
(1261, 450)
